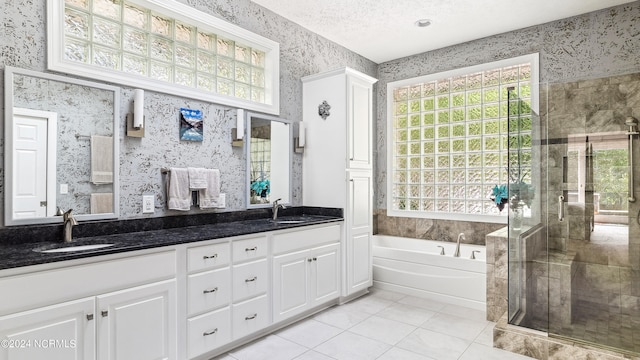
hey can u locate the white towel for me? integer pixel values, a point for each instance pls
(101, 159)
(178, 190)
(208, 197)
(197, 178)
(101, 203)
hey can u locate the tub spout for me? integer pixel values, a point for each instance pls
(457, 252)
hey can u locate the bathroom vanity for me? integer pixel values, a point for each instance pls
(182, 297)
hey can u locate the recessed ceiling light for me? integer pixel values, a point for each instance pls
(423, 23)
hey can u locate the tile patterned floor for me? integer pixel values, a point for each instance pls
(382, 325)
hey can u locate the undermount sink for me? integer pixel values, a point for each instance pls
(63, 249)
(289, 221)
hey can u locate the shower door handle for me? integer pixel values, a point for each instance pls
(560, 208)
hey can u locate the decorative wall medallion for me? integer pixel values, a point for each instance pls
(323, 110)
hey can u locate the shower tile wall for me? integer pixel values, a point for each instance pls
(431, 229)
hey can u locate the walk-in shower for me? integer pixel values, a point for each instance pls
(574, 264)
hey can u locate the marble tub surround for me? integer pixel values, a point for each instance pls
(130, 235)
(432, 229)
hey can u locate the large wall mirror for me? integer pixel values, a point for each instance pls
(268, 148)
(61, 148)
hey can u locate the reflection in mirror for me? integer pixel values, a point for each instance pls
(61, 148)
(597, 180)
(268, 152)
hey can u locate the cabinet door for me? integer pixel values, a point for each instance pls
(358, 240)
(325, 274)
(138, 323)
(290, 284)
(359, 262)
(359, 120)
(60, 332)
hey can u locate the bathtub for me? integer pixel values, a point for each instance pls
(415, 267)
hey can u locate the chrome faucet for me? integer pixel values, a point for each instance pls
(68, 222)
(457, 252)
(277, 206)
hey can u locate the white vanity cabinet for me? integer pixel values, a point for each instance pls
(337, 163)
(70, 325)
(72, 314)
(306, 270)
(208, 297)
(138, 323)
(250, 280)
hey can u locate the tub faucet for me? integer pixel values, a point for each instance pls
(68, 222)
(457, 252)
(277, 206)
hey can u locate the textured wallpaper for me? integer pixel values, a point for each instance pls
(594, 45)
(23, 44)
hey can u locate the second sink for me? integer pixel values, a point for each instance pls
(73, 248)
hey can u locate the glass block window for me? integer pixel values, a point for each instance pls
(449, 136)
(168, 46)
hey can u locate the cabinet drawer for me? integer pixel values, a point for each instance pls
(209, 331)
(208, 256)
(208, 290)
(249, 249)
(96, 278)
(305, 239)
(250, 316)
(249, 279)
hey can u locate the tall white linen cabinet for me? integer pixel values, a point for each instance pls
(337, 162)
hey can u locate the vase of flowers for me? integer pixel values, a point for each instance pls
(517, 194)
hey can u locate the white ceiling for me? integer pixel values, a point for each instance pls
(383, 30)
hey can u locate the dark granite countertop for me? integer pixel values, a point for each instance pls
(25, 253)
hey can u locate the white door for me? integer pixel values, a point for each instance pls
(59, 332)
(325, 273)
(138, 323)
(34, 159)
(290, 284)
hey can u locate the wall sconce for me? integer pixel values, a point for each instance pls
(237, 134)
(301, 140)
(135, 121)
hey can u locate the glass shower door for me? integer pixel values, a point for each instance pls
(593, 232)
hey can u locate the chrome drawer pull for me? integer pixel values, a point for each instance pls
(209, 291)
(206, 257)
(89, 317)
(104, 313)
(251, 279)
(251, 249)
(207, 333)
(251, 317)
(309, 259)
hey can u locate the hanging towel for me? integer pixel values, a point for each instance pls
(101, 159)
(208, 197)
(178, 190)
(197, 178)
(101, 203)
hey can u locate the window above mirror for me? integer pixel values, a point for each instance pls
(167, 47)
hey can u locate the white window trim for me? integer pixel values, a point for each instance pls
(188, 15)
(498, 219)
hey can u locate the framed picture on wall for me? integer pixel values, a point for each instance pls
(191, 124)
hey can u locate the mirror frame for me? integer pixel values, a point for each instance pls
(247, 150)
(9, 73)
